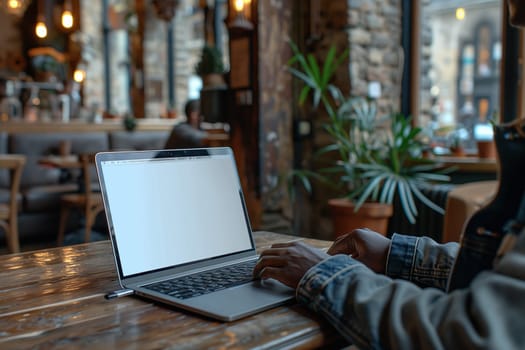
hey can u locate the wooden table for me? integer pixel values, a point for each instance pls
(54, 298)
(62, 162)
(70, 166)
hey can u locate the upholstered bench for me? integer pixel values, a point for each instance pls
(41, 187)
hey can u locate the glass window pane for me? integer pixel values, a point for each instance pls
(460, 68)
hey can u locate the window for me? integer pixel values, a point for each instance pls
(461, 52)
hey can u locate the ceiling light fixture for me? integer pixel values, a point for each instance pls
(67, 19)
(15, 7)
(40, 27)
(460, 13)
(240, 19)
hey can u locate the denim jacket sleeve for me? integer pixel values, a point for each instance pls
(375, 312)
(421, 260)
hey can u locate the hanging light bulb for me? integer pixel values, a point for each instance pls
(240, 21)
(67, 19)
(79, 75)
(14, 4)
(16, 7)
(460, 13)
(239, 5)
(40, 28)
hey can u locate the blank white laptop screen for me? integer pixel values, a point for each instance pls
(171, 211)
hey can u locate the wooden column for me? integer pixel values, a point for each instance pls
(244, 106)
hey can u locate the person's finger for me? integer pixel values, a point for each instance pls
(342, 237)
(346, 246)
(338, 241)
(336, 246)
(267, 261)
(271, 272)
(274, 260)
(279, 275)
(274, 252)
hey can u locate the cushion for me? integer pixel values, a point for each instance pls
(185, 136)
(35, 146)
(137, 140)
(4, 197)
(45, 198)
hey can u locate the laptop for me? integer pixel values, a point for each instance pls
(177, 221)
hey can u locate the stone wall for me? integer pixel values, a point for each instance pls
(188, 30)
(92, 53)
(374, 34)
(188, 39)
(155, 63)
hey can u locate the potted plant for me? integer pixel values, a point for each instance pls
(373, 164)
(211, 67)
(455, 141)
(214, 93)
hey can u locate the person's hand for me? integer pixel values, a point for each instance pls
(288, 262)
(366, 246)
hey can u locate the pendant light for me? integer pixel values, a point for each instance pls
(241, 17)
(16, 7)
(40, 28)
(67, 19)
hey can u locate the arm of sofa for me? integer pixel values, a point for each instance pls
(462, 202)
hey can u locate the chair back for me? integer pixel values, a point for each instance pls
(88, 170)
(86, 199)
(8, 218)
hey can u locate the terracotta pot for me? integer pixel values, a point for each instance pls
(457, 151)
(373, 216)
(486, 149)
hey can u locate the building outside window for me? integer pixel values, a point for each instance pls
(460, 70)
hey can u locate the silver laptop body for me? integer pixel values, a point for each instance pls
(173, 213)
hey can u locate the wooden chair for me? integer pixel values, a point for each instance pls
(86, 200)
(9, 211)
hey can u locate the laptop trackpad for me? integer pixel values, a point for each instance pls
(247, 299)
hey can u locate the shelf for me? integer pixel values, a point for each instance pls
(470, 164)
(82, 126)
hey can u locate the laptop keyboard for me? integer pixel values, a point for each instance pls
(206, 282)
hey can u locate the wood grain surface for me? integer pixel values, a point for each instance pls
(54, 299)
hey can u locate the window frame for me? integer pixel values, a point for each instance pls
(512, 90)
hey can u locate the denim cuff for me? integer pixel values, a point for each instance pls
(400, 260)
(314, 280)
